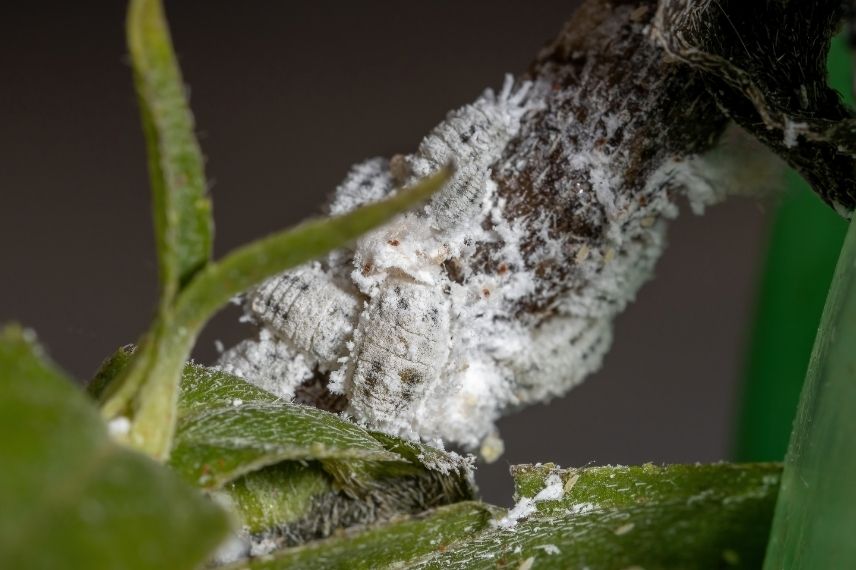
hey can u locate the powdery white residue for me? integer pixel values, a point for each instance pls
(553, 491)
(582, 508)
(366, 182)
(236, 547)
(550, 549)
(522, 509)
(792, 131)
(269, 363)
(262, 546)
(119, 427)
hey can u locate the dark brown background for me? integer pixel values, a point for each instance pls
(287, 95)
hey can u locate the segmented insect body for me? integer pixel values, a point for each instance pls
(401, 349)
(472, 137)
(306, 308)
(397, 360)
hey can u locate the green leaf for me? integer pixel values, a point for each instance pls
(112, 367)
(70, 496)
(293, 503)
(293, 473)
(182, 212)
(277, 496)
(815, 514)
(686, 517)
(228, 428)
(203, 388)
(217, 444)
(381, 546)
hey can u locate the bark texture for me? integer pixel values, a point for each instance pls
(765, 63)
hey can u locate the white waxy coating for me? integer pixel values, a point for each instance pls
(307, 309)
(473, 138)
(401, 349)
(267, 362)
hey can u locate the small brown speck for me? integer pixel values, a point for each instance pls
(486, 292)
(502, 269)
(367, 268)
(639, 14)
(399, 168)
(394, 242)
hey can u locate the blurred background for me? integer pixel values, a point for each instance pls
(287, 95)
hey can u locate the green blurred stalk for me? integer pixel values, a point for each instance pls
(815, 521)
(804, 244)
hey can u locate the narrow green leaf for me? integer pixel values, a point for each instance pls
(71, 498)
(182, 212)
(815, 514)
(147, 390)
(639, 517)
(395, 543)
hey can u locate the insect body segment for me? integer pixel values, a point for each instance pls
(472, 137)
(308, 309)
(401, 348)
